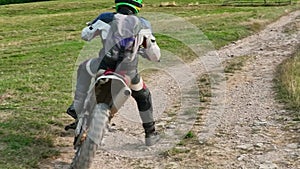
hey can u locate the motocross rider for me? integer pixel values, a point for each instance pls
(144, 45)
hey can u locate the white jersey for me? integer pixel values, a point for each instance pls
(122, 27)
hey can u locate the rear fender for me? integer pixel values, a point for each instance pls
(120, 91)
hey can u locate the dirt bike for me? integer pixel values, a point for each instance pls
(105, 97)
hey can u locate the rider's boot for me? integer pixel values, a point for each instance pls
(151, 136)
(71, 111)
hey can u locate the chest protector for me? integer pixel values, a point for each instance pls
(123, 41)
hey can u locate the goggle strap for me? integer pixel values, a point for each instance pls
(130, 2)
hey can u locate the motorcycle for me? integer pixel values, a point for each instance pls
(107, 94)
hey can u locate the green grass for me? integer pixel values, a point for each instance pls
(40, 43)
(224, 24)
(37, 89)
(288, 84)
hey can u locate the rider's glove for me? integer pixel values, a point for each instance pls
(92, 30)
(149, 49)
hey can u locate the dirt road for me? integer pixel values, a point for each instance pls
(248, 128)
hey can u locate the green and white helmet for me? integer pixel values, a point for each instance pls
(134, 4)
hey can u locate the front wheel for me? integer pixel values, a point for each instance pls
(85, 153)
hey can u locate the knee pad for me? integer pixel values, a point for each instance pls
(143, 99)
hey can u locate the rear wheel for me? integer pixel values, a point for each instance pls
(85, 153)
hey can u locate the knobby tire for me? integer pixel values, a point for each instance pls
(86, 152)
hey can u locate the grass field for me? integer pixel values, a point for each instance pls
(40, 43)
(288, 84)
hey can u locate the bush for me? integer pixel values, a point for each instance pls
(5, 2)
